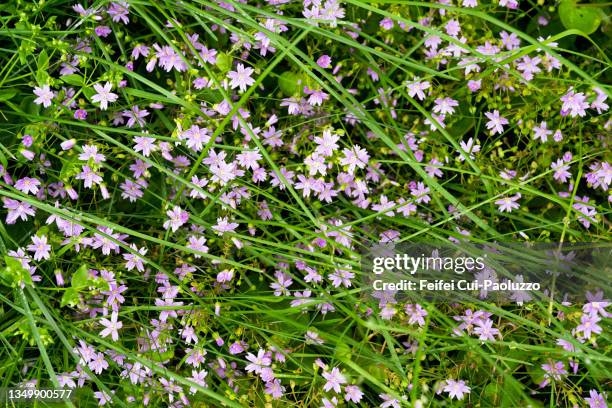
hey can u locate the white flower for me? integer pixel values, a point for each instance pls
(104, 95)
(45, 95)
(241, 78)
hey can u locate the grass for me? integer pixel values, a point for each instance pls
(39, 333)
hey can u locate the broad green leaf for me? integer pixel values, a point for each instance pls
(70, 168)
(224, 62)
(13, 274)
(89, 92)
(28, 106)
(80, 278)
(73, 79)
(585, 19)
(70, 297)
(101, 284)
(156, 356)
(290, 83)
(42, 61)
(7, 94)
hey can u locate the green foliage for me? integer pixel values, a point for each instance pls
(13, 274)
(577, 16)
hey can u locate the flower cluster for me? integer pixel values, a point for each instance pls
(195, 186)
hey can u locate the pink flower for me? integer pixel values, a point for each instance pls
(196, 137)
(91, 152)
(456, 389)
(111, 326)
(45, 95)
(599, 102)
(596, 400)
(103, 397)
(588, 325)
(68, 144)
(259, 362)
(354, 157)
(453, 28)
(140, 50)
(352, 393)
(334, 380)
(275, 389)
(474, 85)
(597, 304)
(390, 401)
(197, 244)
(416, 314)
(386, 23)
(225, 276)
(316, 97)
(511, 4)
(496, 121)
(326, 144)
(241, 78)
(102, 31)
(135, 116)
(324, 61)
(417, 88)
(574, 104)
(133, 260)
(561, 171)
(188, 334)
(80, 114)
(420, 192)
(249, 158)
(146, 145)
(553, 371)
(119, 12)
(40, 247)
(445, 105)
(468, 147)
(224, 226)
(104, 95)
(510, 41)
(541, 132)
(89, 177)
(177, 217)
(17, 209)
(485, 330)
(507, 204)
(529, 66)
(198, 378)
(27, 185)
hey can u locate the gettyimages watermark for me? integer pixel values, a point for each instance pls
(499, 273)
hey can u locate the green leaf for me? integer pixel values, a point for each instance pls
(343, 351)
(290, 83)
(27, 105)
(73, 79)
(224, 62)
(43, 61)
(585, 19)
(70, 297)
(80, 279)
(157, 356)
(100, 284)
(89, 92)
(70, 168)
(7, 94)
(13, 274)
(3, 158)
